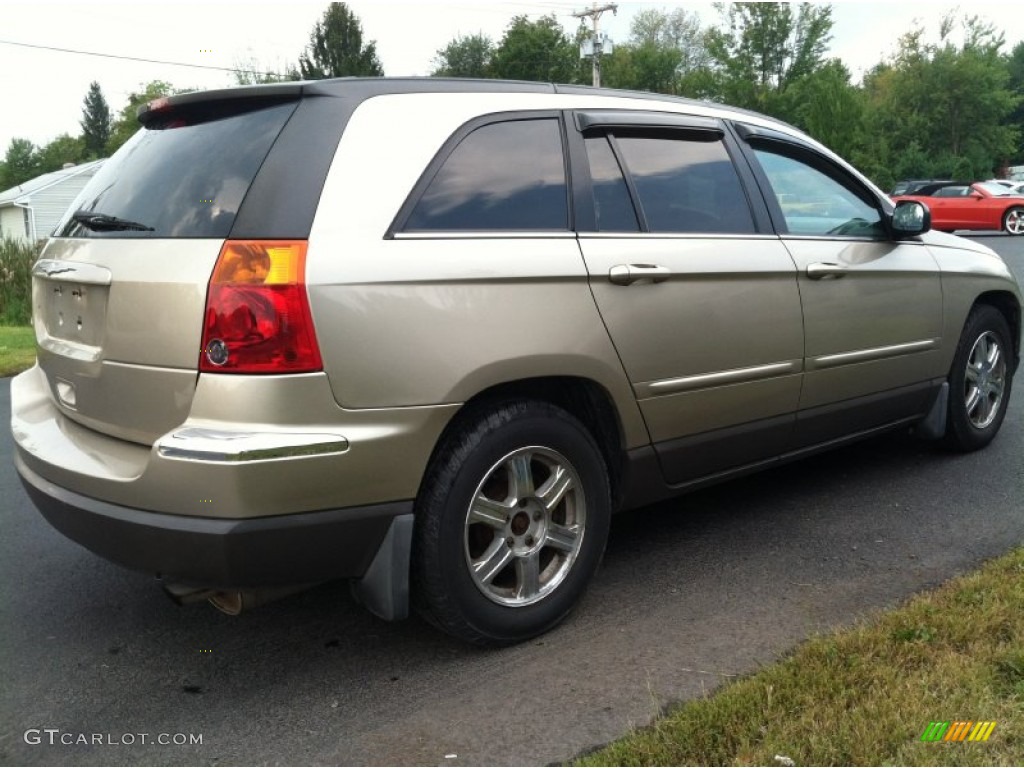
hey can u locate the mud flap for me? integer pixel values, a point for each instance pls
(384, 588)
(933, 426)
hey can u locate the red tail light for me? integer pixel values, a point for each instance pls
(257, 311)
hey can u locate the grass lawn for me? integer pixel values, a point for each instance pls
(865, 696)
(17, 349)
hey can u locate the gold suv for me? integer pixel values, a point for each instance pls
(428, 335)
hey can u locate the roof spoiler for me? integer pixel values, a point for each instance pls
(229, 99)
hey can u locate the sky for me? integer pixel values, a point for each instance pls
(41, 91)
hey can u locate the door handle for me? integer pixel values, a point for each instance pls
(826, 271)
(627, 274)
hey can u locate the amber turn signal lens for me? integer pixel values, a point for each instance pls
(260, 263)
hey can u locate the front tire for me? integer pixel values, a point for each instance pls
(980, 380)
(1013, 221)
(511, 523)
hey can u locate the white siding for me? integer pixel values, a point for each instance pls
(12, 223)
(50, 204)
(48, 198)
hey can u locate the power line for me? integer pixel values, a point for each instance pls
(136, 58)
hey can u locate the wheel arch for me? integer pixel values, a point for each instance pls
(585, 399)
(1008, 306)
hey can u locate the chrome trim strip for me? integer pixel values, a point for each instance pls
(876, 353)
(838, 238)
(72, 272)
(485, 235)
(214, 445)
(847, 239)
(540, 235)
(719, 378)
(672, 236)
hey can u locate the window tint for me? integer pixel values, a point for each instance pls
(185, 180)
(814, 203)
(613, 208)
(952, 192)
(686, 185)
(502, 176)
(998, 190)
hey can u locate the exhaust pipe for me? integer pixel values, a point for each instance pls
(235, 602)
(232, 602)
(184, 594)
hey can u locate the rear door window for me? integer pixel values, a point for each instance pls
(185, 179)
(503, 176)
(613, 208)
(686, 183)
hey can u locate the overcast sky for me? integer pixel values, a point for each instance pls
(41, 91)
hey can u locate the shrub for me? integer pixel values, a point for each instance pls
(16, 260)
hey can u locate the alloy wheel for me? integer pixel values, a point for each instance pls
(985, 380)
(1014, 222)
(524, 526)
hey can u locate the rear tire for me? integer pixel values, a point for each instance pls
(980, 381)
(511, 523)
(1013, 221)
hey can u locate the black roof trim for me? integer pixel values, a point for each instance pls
(367, 87)
(589, 90)
(345, 87)
(379, 86)
(927, 190)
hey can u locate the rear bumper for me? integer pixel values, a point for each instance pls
(252, 447)
(307, 493)
(281, 550)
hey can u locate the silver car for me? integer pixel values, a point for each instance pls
(428, 335)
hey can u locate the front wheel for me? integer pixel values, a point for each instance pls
(511, 523)
(1013, 221)
(980, 380)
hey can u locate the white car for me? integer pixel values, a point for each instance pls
(1016, 186)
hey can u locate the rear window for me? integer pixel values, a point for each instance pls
(503, 176)
(183, 180)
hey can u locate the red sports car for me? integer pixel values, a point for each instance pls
(962, 205)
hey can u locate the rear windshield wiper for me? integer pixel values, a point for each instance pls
(100, 222)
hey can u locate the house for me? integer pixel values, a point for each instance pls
(32, 210)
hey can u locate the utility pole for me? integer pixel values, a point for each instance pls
(596, 45)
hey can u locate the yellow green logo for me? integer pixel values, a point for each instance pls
(959, 730)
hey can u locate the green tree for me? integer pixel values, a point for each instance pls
(21, 163)
(95, 121)
(678, 31)
(465, 56)
(336, 48)
(63, 149)
(825, 104)
(127, 122)
(536, 50)
(1015, 68)
(763, 48)
(251, 71)
(945, 107)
